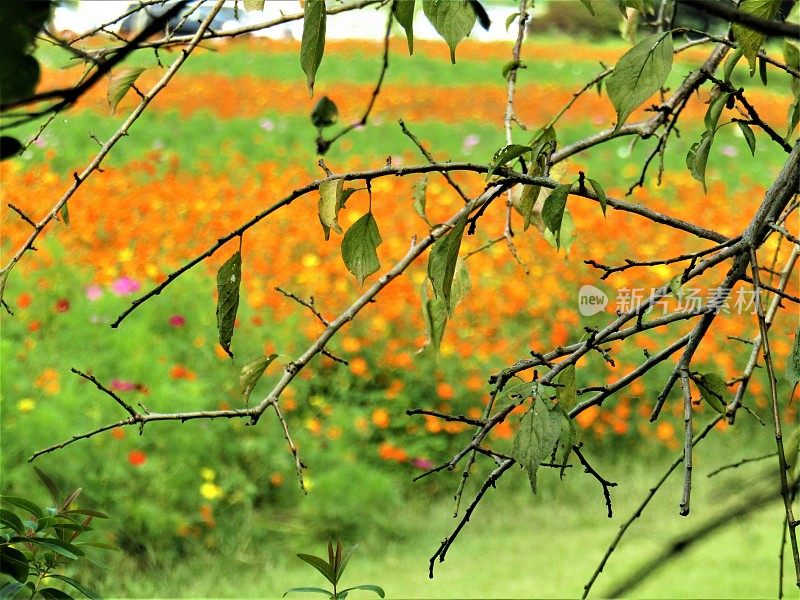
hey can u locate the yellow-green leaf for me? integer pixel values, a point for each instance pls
(119, 84)
(330, 192)
(750, 40)
(252, 372)
(312, 45)
(229, 279)
(359, 247)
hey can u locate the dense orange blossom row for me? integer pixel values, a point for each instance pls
(536, 102)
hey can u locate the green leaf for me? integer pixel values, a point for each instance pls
(53, 594)
(366, 586)
(14, 563)
(504, 155)
(11, 521)
(749, 136)
(676, 288)
(19, 75)
(601, 194)
(588, 5)
(342, 563)
(250, 5)
(527, 201)
(252, 372)
(539, 430)
(9, 146)
(750, 41)
(730, 63)
(88, 592)
(359, 247)
(697, 158)
(791, 56)
(330, 193)
(510, 65)
(51, 486)
(320, 565)
(452, 19)
(639, 74)
(566, 392)
(566, 235)
(793, 116)
(443, 259)
(24, 504)
(88, 512)
(420, 196)
(435, 313)
(714, 111)
(54, 545)
(404, 13)
(11, 589)
(793, 361)
(312, 45)
(324, 113)
(762, 71)
(310, 590)
(481, 14)
(553, 210)
(514, 394)
(119, 84)
(461, 283)
(64, 212)
(567, 436)
(713, 390)
(510, 19)
(229, 278)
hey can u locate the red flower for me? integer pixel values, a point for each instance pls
(137, 458)
(62, 305)
(177, 320)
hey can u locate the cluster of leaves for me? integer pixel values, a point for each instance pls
(33, 549)
(333, 569)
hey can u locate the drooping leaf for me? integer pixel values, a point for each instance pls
(553, 210)
(50, 593)
(330, 192)
(566, 438)
(510, 65)
(229, 279)
(404, 13)
(714, 111)
(510, 19)
(730, 63)
(566, 392)
(513, 394)
(341, 563)
(48, 482)
(697, 158)
(601, 194)
(420, 196)
(320, 565)
(119, 83)
(588, 5)
(312, 45)
(443, 259)
(9, 146)
(566, 235)
(749, 136)
(252, 372)
(791, 56)
(480, 13)
(713, 390)
(762, 70)
(324, 113)
(54, 545)
(452, 19)
(676, 288)
(539, 430)
(12, 521)
(639, 74)
(11, 589)
(14, 563)
(461, 283)
(359, 247)
(367, 587)
(434, 312)
(750, 40)
(504, 155)
(253, 5)
(19, 75)
(64, 212)
(793, 361)
(793, 116)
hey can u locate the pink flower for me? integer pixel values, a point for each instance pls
(422, 463)
(94, 292)
(177, 320)
(120, 385)
(266, 124)
(125, 285)
(470, 142)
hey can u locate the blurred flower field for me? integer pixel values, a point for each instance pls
(231, 137)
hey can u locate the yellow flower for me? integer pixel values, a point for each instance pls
(207, 474)
(310, 260)
(210, 491)
(26, 405)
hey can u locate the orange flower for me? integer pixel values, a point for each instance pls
(358, 366)
(137, 458)
(445, 391)
(276, 479)
(586, 417)
(665, 431)
(181, 372)
(380, 418)
(118, 433)
(207, 515)
(24, 300)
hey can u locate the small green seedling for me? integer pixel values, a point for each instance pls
(332, 569)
